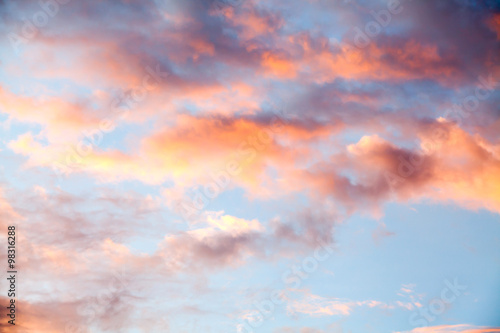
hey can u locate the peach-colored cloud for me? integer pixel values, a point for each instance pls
(63, 57)
(189, 152)
(318, 306)
(32, 317)
(252, 22)
(405, 60)
(463, 328)
(61, 119)
(278, 65)
(7, 213)
(451, 166)
(234, 224)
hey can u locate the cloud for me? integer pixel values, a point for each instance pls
(196, 149)
(61, 119)
(450, 166)
(463, 328)
(318, 306)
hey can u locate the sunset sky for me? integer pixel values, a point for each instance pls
(251, 166)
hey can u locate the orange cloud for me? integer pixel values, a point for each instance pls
(234, 225)
(61, 119)
(452, 165)
(393, 62)
(252, 22)
(494, 24)
(190, 152)
(278, 65)
(455, 329)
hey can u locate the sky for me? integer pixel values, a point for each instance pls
(250, 166)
